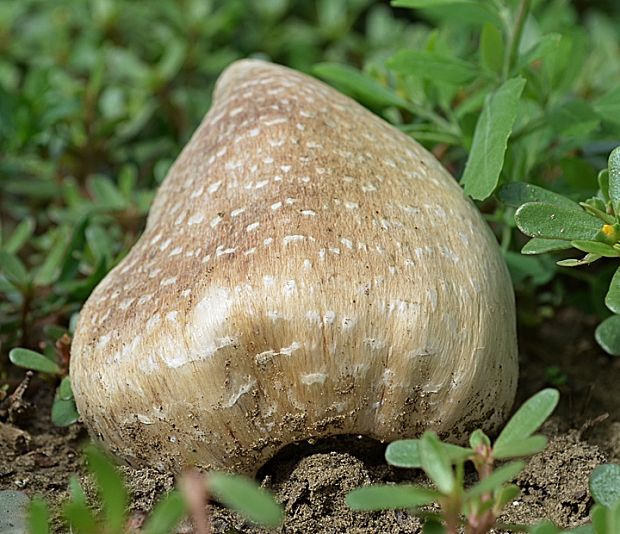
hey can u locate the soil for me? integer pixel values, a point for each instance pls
(311, 480)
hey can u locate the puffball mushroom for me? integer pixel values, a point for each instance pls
(306, 270)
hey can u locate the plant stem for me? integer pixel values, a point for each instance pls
(515, 38)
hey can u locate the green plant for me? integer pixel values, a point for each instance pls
(475, 508)
(237, 492)
(64, 411)
(554, 222)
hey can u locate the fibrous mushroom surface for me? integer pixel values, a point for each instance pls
(306, 270)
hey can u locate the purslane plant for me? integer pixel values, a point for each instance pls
(475, 509)
(555, 223)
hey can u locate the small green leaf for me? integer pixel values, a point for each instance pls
(50, 270)
(80, 518)
(105, 193)
(523, 447)
(537, 268)
(607, 335)
(528, 418)
(537, 245)
(573, 119)
(479, 439)
(491, 48)
(246, 497)
(612, 299)
(432, 66)
(516, 194)
(38, 518)
(436, 463)
(603, 184)
(64, 412)
(613, 168)
(500, 476)
(488, 149)
(505, 495)
(13, 269)
(545, 527)
(607, 107)
(464, 11)
(586, 260)
(110, 488)
(29, 359)
(20, 235)
(358, 84)
(405, 453)
(596, 247)
(538, 219)
(64, 389)
(421, 4)
(605, 484)
(166, 514)
(390, 497)
(546, 44)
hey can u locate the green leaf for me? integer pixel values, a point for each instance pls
(523, 447)
(38, 517)
(29, 359)
(464, 11)
(573, 119)
(491, 48)
(479, 439)
(596, 247)
(528, 418)
(110, 488)
(432, 66)
(166, 514)
(539, 269)
(246, 497)
(613, 168)
(390, 497)
(421, 4)
(607, 107)
(80, 518)
(612, 299)
(545, 527)
(105, 193)
(436, 463)
(516, 194)
(13, 269)
(605, 484)
(405, 453)
(607, 335)
(493, 129)
(586, 260)
(545, 45)
(64, 411)
(539, 219)
(506, 495)
(23, 231)
(433, 526)
(358, 84)
(498, 477)
(537, 245)
(99, 242)
(65, 391)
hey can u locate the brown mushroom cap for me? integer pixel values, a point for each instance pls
(306, 270)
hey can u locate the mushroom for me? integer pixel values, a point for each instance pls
(306, 270)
